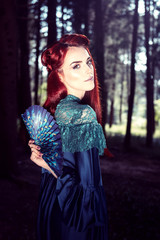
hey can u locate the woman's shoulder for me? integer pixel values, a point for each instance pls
(79, 128)
(71, 111)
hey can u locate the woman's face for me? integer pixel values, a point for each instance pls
(77, 72)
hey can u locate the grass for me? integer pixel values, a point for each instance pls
(136, 130)
(115, 139)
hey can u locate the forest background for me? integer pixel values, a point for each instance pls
(125, 43)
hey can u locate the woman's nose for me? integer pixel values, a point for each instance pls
(89, 69)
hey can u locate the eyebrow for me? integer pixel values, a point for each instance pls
(89, 58)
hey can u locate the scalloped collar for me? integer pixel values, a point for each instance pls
(72, 98)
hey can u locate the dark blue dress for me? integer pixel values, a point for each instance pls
(73, 207)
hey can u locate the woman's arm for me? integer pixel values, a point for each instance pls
(36, 157)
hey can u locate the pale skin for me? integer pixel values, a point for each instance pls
(77, 74)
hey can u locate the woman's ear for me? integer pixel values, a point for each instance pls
(60, 75)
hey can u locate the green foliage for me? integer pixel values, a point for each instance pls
(138, 129)
(42, 93)
(157, 111)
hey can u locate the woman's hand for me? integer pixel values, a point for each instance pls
(36, 157)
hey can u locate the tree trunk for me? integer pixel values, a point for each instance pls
(86, 23)
(99, 52)
(24, 92)
(121, 95)
(36, 100)
(127, 140)
(62, 19)
(111, 116)
(76, 23)
(149, 79)
(8, 100)
(52, 29)
(128, 76)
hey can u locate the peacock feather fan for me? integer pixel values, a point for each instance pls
(44, 130)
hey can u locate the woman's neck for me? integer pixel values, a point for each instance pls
(78, 94)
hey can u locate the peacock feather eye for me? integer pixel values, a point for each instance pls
(44, 130)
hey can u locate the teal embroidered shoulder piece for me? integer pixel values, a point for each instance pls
(79, 128)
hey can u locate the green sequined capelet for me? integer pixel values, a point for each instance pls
(78, 125)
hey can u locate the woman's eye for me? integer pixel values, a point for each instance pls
(89, 62)
(76, 66)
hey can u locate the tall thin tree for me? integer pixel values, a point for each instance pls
(113, 89)
(149, 78)
(99, 54)
(77, 16)
(52, 28)
(86, 13)
(24, 92)
(8, 86)
(36, 100)
(121, 93)
(127, 140)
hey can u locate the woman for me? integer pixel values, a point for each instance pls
(72, 206)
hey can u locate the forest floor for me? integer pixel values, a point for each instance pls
(132, 186)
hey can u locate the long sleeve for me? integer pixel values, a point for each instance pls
(80, 192)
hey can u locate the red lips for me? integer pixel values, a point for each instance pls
(89, 79)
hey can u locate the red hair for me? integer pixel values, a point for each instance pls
(53, 58)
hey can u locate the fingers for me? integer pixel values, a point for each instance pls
(35, 156)
(32, 144)
(30, 141)
(36, 159)
(34, 148)
(36, 152)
